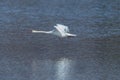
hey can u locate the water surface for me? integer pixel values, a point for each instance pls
(92, 55)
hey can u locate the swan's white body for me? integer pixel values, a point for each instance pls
(60, 30)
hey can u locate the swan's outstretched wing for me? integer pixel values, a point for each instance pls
(61, 27)
(59, 31)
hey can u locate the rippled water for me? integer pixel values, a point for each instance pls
(92, 55)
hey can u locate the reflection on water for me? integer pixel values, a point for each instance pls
(63, 69)
(91, 59)
(51, 70)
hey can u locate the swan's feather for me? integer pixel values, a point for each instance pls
(62, 27)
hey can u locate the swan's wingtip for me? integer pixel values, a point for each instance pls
(59, 24)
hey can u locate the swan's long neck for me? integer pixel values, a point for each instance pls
(46, 32)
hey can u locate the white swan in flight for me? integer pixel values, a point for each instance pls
(60, 30)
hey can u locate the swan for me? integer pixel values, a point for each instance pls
(60, 30)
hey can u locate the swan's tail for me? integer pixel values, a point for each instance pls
(71, 35)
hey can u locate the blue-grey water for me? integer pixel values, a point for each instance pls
(93, 55)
